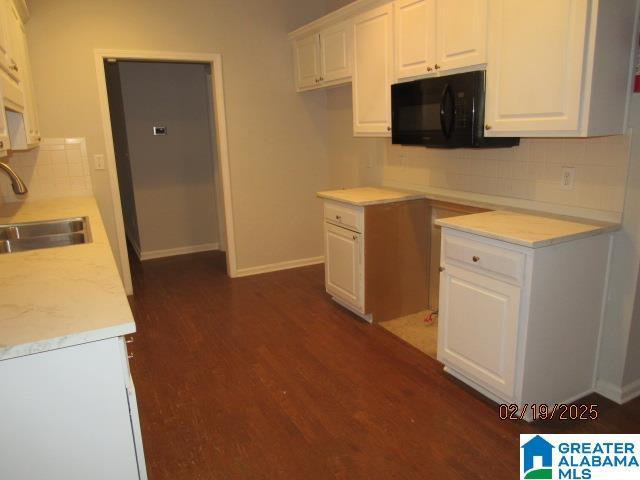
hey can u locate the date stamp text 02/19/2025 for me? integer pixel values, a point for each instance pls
(542, 411)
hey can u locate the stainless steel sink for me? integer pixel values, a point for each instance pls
(20, 237)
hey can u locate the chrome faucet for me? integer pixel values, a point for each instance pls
(17, 184)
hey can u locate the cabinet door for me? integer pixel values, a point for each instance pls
(343, 265)
(32, 129)
(14, 38)
(4, 36)
(415, 37)
(534, 77)
(307, 61)
(478, 328)
(372, 72)
(335, 49)
(462, 33)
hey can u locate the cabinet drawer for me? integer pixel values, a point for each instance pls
(347, 216)
(484, 257)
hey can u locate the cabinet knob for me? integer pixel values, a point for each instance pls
(129, 340)
(429, 68)
(130, 355)
(437, 67)
(476, 259)
(321, 79)
(355, 237)
(338, 217)
(487, 127)
(441, 269)
(1, 144)
(388, 129)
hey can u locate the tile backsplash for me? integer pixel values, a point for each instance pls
(531, 171)
(59, 167)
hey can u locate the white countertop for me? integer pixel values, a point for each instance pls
(524, 229)
(369, 195)
(59, 297)
(517, 226)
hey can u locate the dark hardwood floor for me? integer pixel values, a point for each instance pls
(265, 377)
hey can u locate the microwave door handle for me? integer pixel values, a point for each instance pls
(447, 94)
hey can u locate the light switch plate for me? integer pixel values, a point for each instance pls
(568, 179)
(98, 161)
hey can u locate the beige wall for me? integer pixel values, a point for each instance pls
(276, 137)
(173, 175)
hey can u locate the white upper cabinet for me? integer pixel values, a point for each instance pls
(307, 61)
(323, 59)
(558, 67)
(436, 36)
(372, 72)
(11, 54)
(461, 33)
(415, 37)
(335, 53)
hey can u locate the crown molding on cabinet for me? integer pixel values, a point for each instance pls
(344, 13)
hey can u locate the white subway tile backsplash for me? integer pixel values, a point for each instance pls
(531, 171)
(57, 168)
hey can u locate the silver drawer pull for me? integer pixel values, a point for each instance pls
(476, 259)
(130, 340)
(130, 356)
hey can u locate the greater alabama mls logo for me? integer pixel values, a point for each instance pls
(580, 457)
(537, 459)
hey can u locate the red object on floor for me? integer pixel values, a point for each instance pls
(429, 318)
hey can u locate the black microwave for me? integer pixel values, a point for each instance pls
(443, 112)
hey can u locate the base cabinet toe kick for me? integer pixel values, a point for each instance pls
(70, 414)
(522, 325)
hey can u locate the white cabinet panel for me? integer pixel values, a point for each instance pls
(415, 36)
(343, 265)
(372, 44)
(335, 49)
(462, 33)
(307, 61)
(479, 328)
(536, 57)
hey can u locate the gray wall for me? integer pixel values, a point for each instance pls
(173, 175)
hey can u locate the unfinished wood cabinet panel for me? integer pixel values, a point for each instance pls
(396, 259)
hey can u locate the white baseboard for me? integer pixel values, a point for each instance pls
(618, 394)
(170, 252)
(274, 267)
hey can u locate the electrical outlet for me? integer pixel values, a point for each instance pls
(568, 179)
(98, 161)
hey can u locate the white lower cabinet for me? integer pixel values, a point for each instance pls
(343, 267)
(480, 332)
(521, 325)
(70, 414)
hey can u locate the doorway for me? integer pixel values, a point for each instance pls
(165, 157)
(166, 199)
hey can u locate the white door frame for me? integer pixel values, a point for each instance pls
(220, 132)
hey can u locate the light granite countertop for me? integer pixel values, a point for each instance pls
(369, 195)
(60, 297)
(518, 226)
(533, 231)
